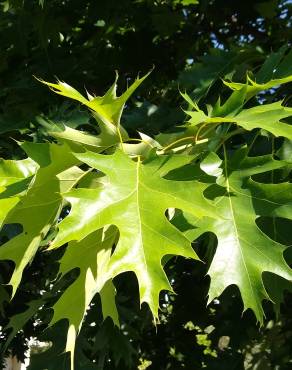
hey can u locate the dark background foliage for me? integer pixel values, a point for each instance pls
(192, 45)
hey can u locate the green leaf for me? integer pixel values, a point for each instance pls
(143, 148)
(14, 179)
(39, 207)
(14, 171)
(109, 136)
(135, 199)
(254, 88)
(18, 321)
(244, 252)
(186, 2)
(201, 76)
(275, 71)
(211, 164)
(91, 255)
(271, 66)
(266, 116)
(285, 152)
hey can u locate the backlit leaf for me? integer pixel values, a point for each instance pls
(135, 199)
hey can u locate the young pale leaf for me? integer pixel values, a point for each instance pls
(135, 200)
(107, 108)
(75, 138)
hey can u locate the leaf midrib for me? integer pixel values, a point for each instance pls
(228, 187)
(139, 213)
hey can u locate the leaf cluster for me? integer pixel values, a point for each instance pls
(113, 204)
